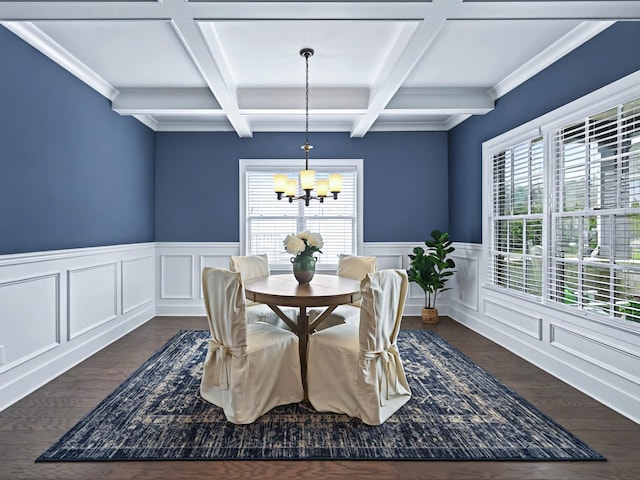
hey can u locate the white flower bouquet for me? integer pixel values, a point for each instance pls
(303, 244)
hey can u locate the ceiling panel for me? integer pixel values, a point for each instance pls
(128, 54)
(472, 53)
(347, 53)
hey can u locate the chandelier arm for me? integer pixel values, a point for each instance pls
(309, 197)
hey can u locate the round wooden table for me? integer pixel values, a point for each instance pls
(284, 290)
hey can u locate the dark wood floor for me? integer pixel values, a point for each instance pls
(31, 425)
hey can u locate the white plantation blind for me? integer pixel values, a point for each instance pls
(595, 255)
(579, 245)
(269, 221)
(517, 185)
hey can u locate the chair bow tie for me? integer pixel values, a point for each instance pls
(388, 381)
(219, 356)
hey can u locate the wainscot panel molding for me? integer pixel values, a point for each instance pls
(59, 307)
(179, 265)
(396, 255)
(179, 281)
(92, 297)
(602, 359)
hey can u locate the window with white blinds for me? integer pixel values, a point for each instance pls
(268, 220)
(581, 248)
(517, 184)
(594, 260)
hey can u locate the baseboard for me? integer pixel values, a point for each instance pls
(181, 311)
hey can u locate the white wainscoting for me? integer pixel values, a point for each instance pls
(179, 287)
(58, 308)
(396, 255)
(601, 359)
(179, 267)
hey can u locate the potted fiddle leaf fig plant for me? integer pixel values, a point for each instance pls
(431, 269)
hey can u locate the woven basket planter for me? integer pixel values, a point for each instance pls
(430, 315)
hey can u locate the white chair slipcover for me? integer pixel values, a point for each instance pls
(357, 369)
(350, 266)
(249, 368)
(257, 266)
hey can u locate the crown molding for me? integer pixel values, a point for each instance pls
(569, 42)
(35, 37)
(147, 121)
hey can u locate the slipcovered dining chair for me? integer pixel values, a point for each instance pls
(354, 267)
(249, 368)
(357, 369)
(257, 266)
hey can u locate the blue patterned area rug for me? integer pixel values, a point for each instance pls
(458, 412)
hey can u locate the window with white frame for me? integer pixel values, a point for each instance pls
(515, 255)
(266, 221)
(581, 248)
(594, 259)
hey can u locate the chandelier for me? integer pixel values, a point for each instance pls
(288, 187)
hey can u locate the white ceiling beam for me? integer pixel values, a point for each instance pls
(448, 100)
(195, 45)
(327, 101)
(445, 110)
(300, 112)
(293, 98)
(193, 126)
(341, 124)
(543, 10)
(167, 101)
(362, 109)
(335, 10)
(409, 126)
(387, 87)
(210, 10)
(216, 51)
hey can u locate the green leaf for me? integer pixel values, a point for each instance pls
(431, 269)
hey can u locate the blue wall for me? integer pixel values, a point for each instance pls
(197, 197)
(75, 174)
(606, 58)
(72, 172)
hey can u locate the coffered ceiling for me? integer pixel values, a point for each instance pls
(179, 65)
